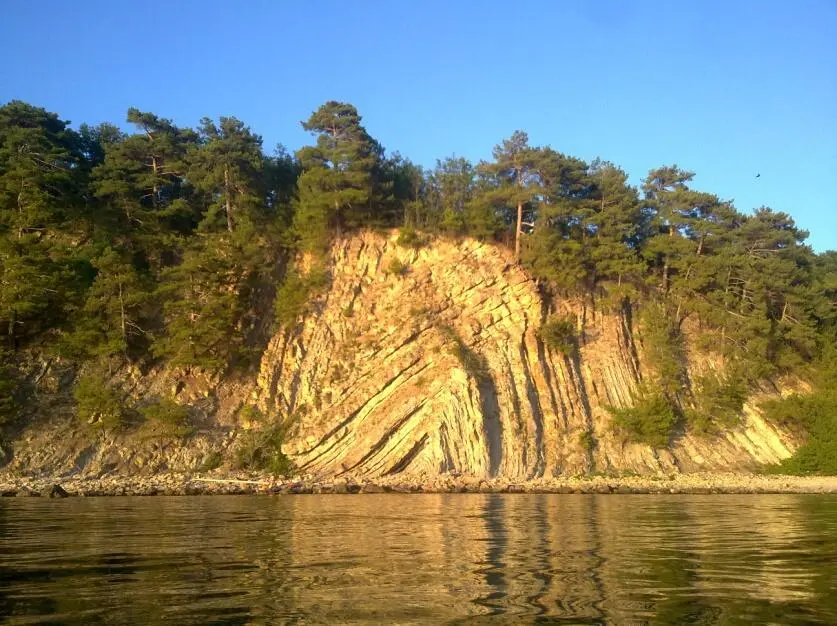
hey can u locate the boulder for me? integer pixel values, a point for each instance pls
(56, 491)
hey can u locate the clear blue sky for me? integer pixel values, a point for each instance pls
(726, 89)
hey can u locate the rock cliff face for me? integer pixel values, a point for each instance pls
(423, 362)
(438, 368)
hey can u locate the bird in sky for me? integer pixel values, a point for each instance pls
(758, 175)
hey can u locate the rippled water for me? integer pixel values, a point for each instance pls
(420, 558)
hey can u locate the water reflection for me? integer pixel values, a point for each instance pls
(435, 559)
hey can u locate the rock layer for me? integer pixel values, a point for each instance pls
(413, 363)
(437, 368)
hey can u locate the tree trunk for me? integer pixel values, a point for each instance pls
(122, 317)
(517, 231)
(20, 216)
(228, 204)
(155, 188)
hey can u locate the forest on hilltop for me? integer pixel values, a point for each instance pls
(169, 243)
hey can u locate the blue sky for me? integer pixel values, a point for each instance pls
(725, 89)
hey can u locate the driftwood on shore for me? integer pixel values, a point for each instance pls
(235, 481)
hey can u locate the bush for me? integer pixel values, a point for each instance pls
(559, 334)
(650, 421)
(251, 414)
(168, 418)
(97, 404)
(717, 403)
(211, 461)
(10, 384)
(410, 238)
(586, 441)
(262, 451)
(397, 267)
(295, 294)
(814, 415)
(663, 346)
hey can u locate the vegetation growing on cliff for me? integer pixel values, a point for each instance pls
(170, 243)
(813, 415)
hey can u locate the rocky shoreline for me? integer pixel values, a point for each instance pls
(195, 484)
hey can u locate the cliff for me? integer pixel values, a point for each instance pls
(416, 362)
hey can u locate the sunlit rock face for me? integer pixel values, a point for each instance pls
(414, 362)
(427, 361)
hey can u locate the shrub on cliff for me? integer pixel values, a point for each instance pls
(717, 403)
(261, 450)
(97, 404)
(397, 267)
(9, 389)
(650, 421)
(559, 334)
(813, 415)
(663, 345)
(167, 418)
(295, 294)
(410, 238)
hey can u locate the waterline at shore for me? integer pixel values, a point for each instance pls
(212, 484)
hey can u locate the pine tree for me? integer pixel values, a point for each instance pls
(556, 248)
(515, 177)
(112, 320)
(143, 198)
(338, 185)
(617, 227)
(227, 167)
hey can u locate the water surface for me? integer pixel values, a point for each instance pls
(390, 558)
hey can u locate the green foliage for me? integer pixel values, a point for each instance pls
(10, 389)
(164, 242)
(717, 402)
(295, 295)
(586, 441)
(397, 267)
(663, 345)
(261, 450)
(211, 461)
(559, 334)
(167, 418)
(250, 413)
(339, 185)
(650, 420)
(813, 415)
(97, 404)
(111, 320)
(408, 237)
